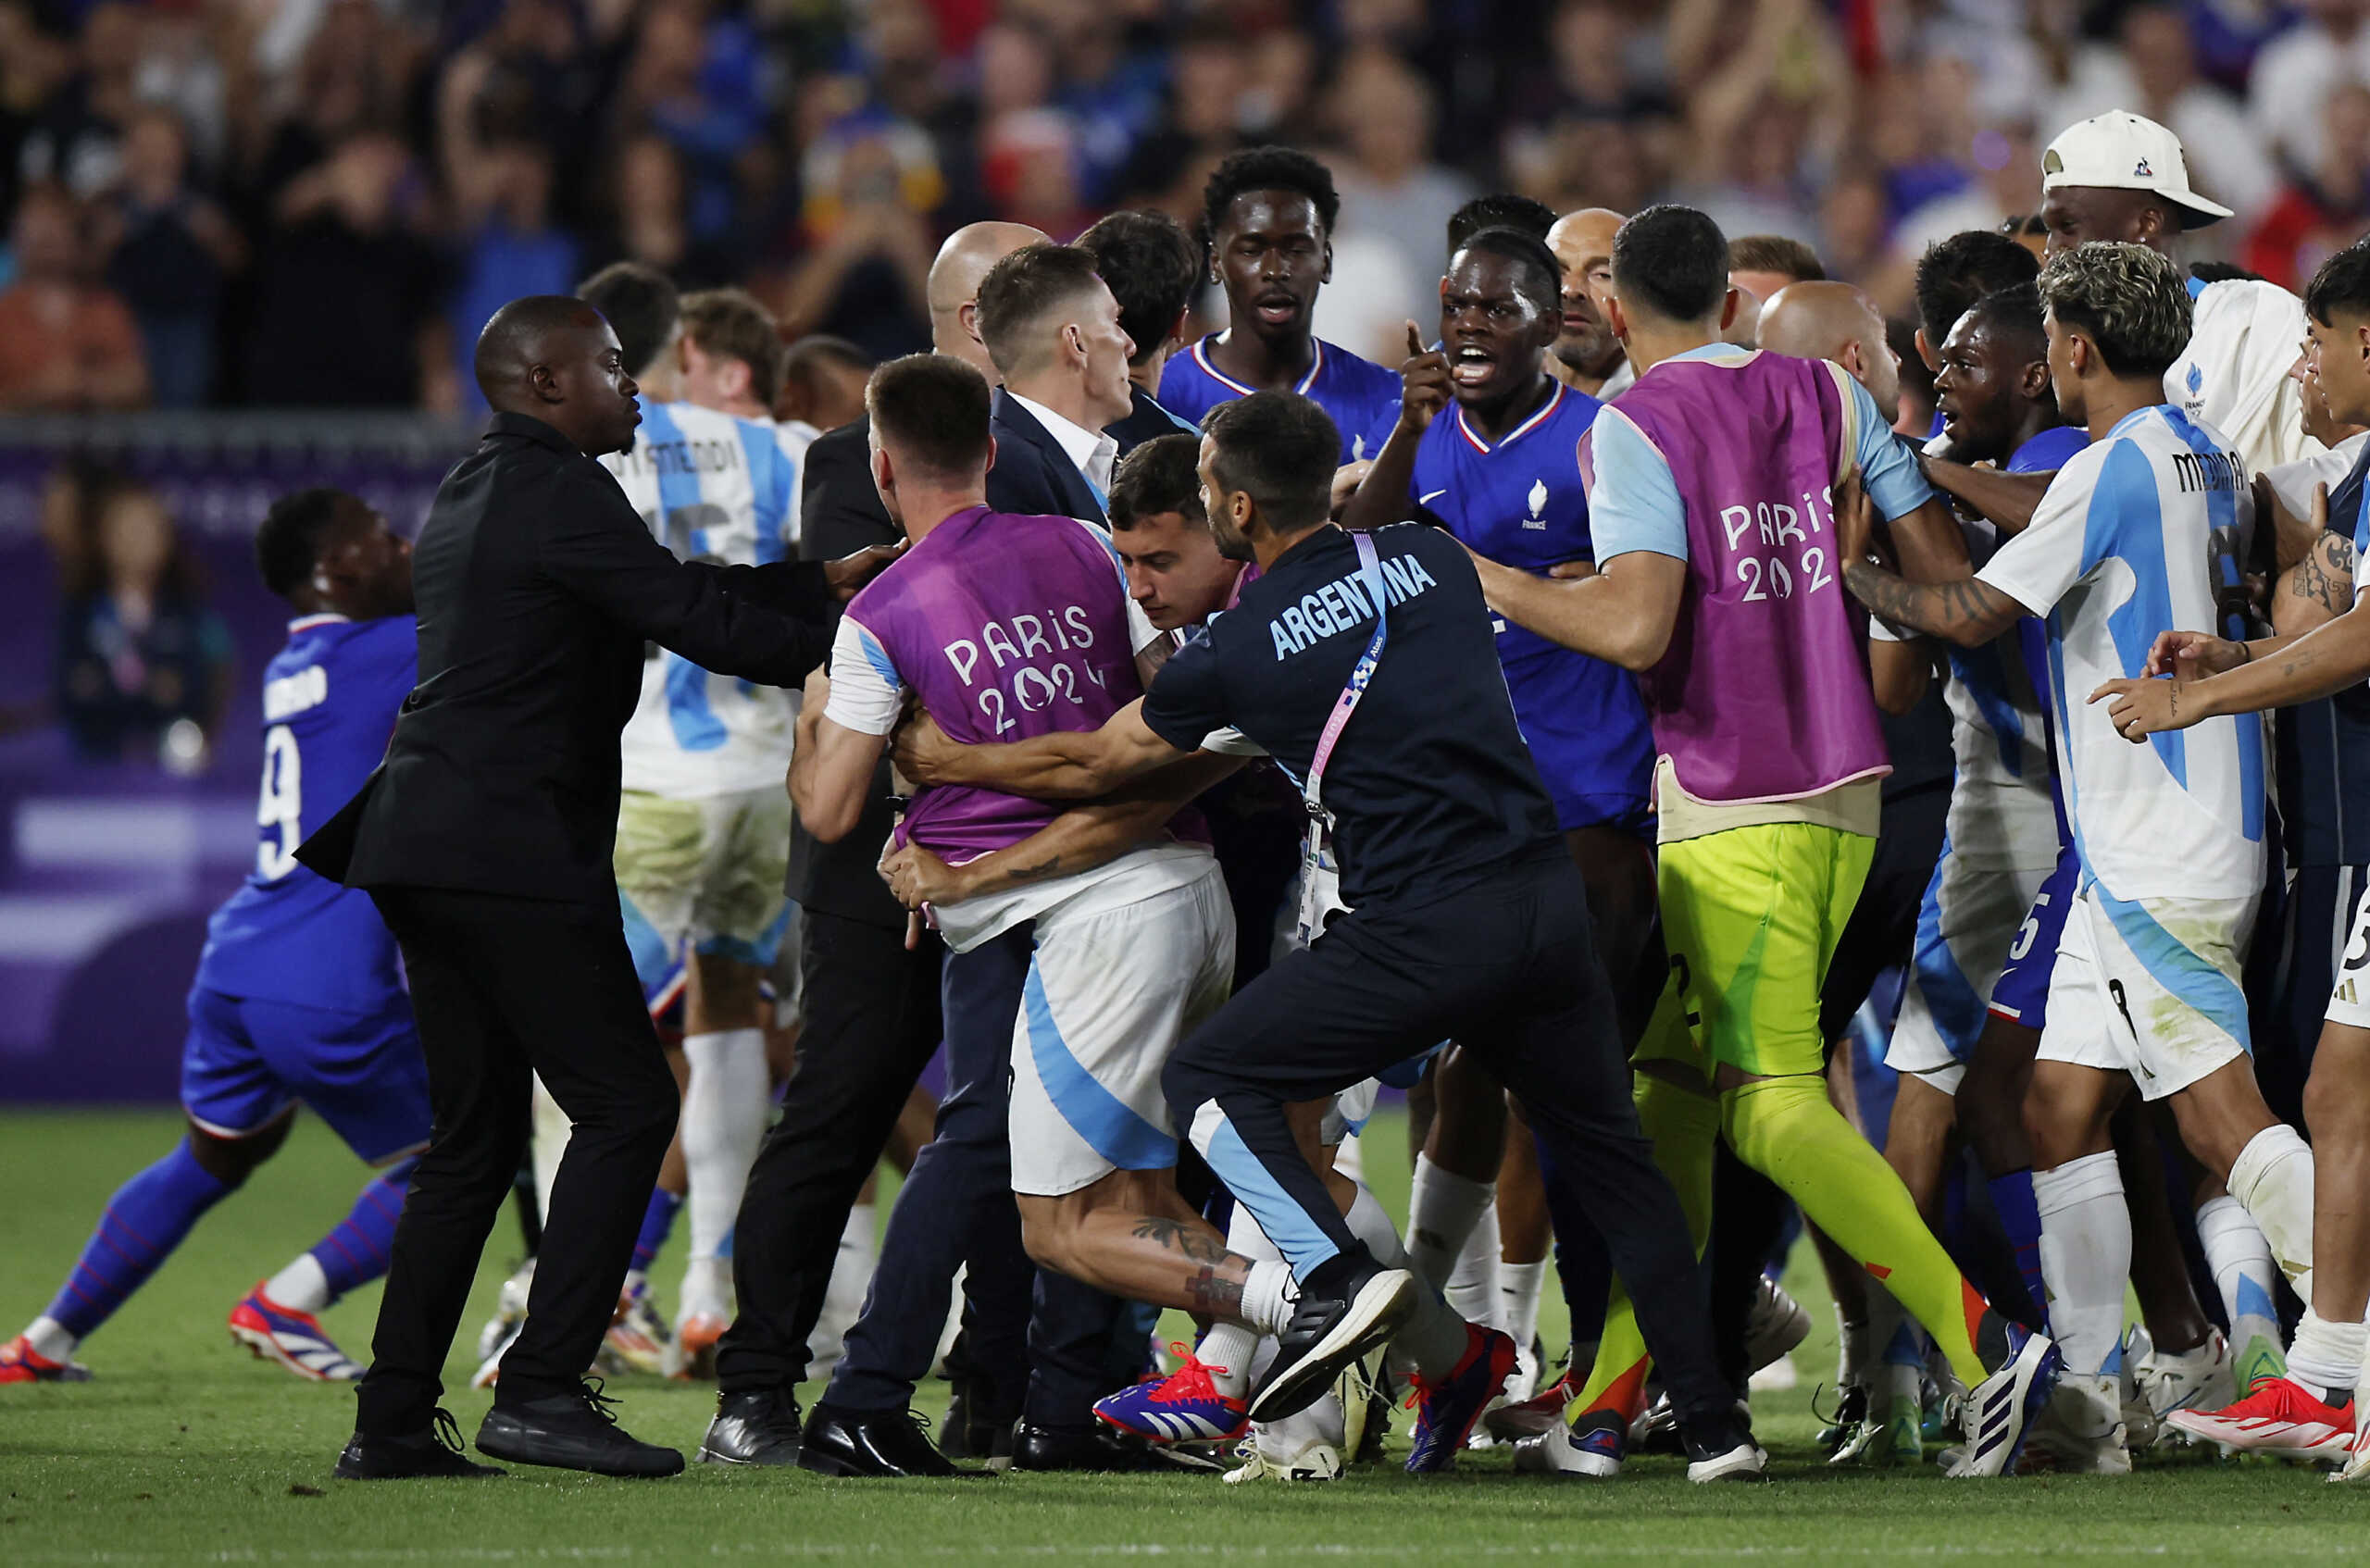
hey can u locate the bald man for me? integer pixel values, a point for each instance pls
(1586, 356)
(484, 837)
(1827, 320)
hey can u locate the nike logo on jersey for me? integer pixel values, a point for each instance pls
(1427, 500)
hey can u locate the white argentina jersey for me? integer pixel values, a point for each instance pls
(2142, 532)
(712, 488)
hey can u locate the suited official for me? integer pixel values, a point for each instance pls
(485, 839)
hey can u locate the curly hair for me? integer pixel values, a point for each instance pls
(1267, 169)
(2130, 300)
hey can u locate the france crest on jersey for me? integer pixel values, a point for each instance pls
(1362, 396)
(1519, 502)
(2138, 534)
(712, 488)
(329, 701)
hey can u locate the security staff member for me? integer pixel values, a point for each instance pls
(485, 839)
(1467, 920)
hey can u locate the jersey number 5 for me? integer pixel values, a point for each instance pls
(280, 810)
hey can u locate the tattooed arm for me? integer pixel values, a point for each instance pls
(1079, 839)
(2275, 672)
(1966, 611)
(2317, 589)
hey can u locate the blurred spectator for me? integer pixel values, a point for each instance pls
(646, 220)
(349, 295)
(869, 182)
(67, 344)
(2292, 75)
(694, 80)
(1203, 119)
(143, 664)
(2151, 68)
(168, 250)
(530, 77)
(75, 140)
(822, 382)
(1390, 188)
(1110, 92)
(508, 245)
(2319, 214)
(351, 77)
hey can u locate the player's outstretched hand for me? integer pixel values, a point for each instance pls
(853, 571)
(1423, 382)
(2146, 706)
(2193, 656)
(921, 748)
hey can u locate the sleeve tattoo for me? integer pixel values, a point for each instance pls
(2325, 577)
(1940, 609)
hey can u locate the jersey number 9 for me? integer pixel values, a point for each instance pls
(280, 809)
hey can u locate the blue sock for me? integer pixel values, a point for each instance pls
(2012, 1196)
(138, 1228)
(658, 1225)
(357, 1251)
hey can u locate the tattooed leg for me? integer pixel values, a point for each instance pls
(1131, 1234)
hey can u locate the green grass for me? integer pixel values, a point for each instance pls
(185, 1450)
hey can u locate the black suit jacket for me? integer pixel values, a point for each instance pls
(1147, 421)
(840, 513)
(539, 589)
(1033, 475)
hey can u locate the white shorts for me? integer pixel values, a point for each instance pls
(2151, 988)
(1109, 995)
(706, 874)
(1964, 928)
(2350, 1002)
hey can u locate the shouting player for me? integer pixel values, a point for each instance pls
(298, 997)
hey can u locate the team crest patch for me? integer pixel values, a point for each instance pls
(2143, 171)
(2196, 377)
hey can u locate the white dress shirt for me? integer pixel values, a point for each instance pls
(1094, 452)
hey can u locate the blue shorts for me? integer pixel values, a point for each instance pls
(2021, 994)
(1632, 814)
(247, 1060)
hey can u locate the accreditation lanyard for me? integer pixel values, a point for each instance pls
(1313, 846)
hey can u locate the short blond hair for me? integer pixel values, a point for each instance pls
(2130, 300)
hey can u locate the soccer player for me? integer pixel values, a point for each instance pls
(733, 362)
(2212, 676)
(1150, 265)
(1588, 356)
(1467, 920)
(704, 829)
(1718, 579)
(1267, 217)
(2119, 177)
(298, 996)
(2146, 988)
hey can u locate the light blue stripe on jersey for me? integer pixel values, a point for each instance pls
(2126, 522)
(1984, 676)
(695, 725)
(2055, 624)
(768, 482)
(2221, 516)
(878, 658)
(2178, 970)
(1958, 1012)
(1110, 1127)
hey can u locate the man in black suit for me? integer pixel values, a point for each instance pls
(485, 839)
(1051, 326)
(1152, 268)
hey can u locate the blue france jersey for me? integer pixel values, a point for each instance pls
(330, 700)
(1520, 502)
(1362, 396)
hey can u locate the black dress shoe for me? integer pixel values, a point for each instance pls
(575, 1431)
(872, 1442)
(434, 1452)
(1349, 1306)
(752, 1428)
(1097, 1448)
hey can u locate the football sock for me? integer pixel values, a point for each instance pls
(853, 1266)
(658, 1225)
(2241, 1260)
(1785, 1128)
(2011, 1199)
(1371, 1222)
(2273, 1176)
(1267, 1296)
(2086, 1249)
(2325, 1358)
(1519, 1289)
(1443, 1209)
(1233, 1345)
(725, 1109)
(301, 1287)
(1472, 1287)
(1683, 1126)
(1854, 1354)
(356, 1252)
(138, 1230)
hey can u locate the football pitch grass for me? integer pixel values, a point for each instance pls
(185, 1450)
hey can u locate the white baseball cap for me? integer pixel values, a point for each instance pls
(2123, 152)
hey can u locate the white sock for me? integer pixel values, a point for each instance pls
(552, 1129)
(2326, 1357)
(2085, 1257)
(724, 1107)
(1434, 1339)
(1853, 1361)
(1519, 1289)
(2273, 1176)
(1267, 1297)
(1350, 1159)
(1472, 1285)
(1231, 1346)
(1442, 1209)
(50, 1341)
(2239, 1259)
(301, 1287)
(852, 1268)
(1370, 1222)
